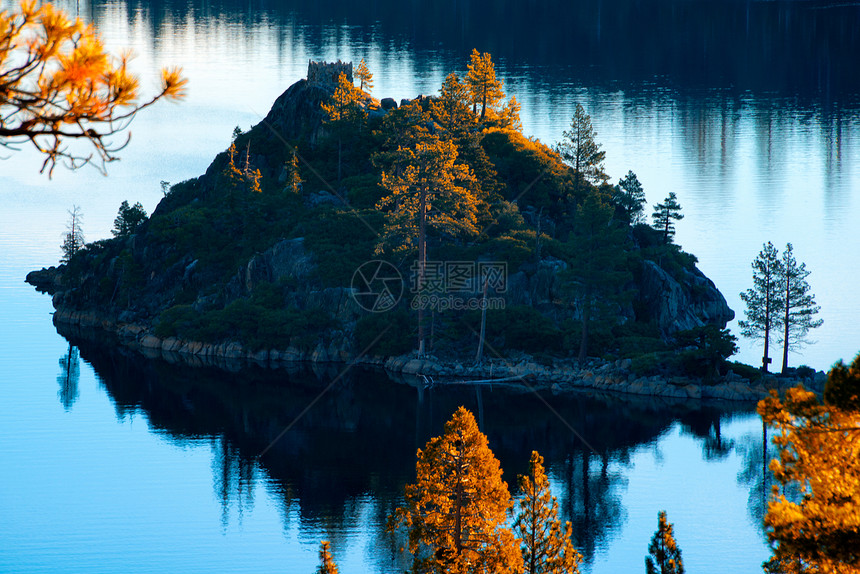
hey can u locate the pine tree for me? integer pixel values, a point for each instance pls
(343, 112)
(665, 556)
(763, 300)
(294, 179)
(629, 198)
(128, 218)
(664, 216)
(798, 305)
(327, 565)
(234, 179)
(545, 549)
(580, 150)
(597, 265)
(451, 110)
(510, 115)
(817, 532)
(457, 508)
(427, 190)
(842, 389)
(364, 76)
(484, 88)
(73, 238)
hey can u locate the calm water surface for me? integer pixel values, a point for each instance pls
(747, 110)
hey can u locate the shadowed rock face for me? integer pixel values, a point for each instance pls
(297, 113)
(678, 306)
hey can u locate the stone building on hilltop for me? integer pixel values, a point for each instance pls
(325, 74)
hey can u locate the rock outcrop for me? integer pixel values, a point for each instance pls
(681, 305)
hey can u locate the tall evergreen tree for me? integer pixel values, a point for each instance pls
(484, 88)
(629, 197)
(343, 112)
(763, 300)
(842, 389)
(457, 508)
(128, 218)
(234, 179)
(327, 565)
(664, 216)
(427, 190)
(364, 76)
(798, 305)
(580, 150)
(510, 115)
(73, 238)
(293, 182)
(664, 554)
(597, 264)
(545, 548)
(451, 109)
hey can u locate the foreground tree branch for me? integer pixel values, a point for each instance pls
(59, 85)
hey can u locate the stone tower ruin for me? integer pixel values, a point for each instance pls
(325, 74)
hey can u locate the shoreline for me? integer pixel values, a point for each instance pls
(521, 371)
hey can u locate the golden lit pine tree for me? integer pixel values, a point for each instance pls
(451, 108)
(664, 554)
(818, 453)
(327, 565)
(58, 85)
(343, 111)
(364, 76)
(457, 508)
(545, 549)
(510, 115)
(428, 189)
(484, 88)
(403, 127)
(234, 179)
(294, 179)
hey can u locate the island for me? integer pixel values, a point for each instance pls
(430, 238)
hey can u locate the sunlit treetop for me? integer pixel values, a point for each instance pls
(819, 453)
(58, 85)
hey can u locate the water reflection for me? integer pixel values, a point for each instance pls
(340, 470)
(70, 372)
(805, 48)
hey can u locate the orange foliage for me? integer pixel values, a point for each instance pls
(57, 83)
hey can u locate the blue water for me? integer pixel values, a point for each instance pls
(147, 467)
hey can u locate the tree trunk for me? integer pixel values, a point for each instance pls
(479, 355)
(458, 511)
(786, 324)
(422, 262)
(765, 360)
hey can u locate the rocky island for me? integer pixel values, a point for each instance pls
(303, 242)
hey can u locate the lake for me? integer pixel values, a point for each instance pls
(747, 110)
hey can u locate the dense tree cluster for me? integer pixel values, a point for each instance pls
(460, 517)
